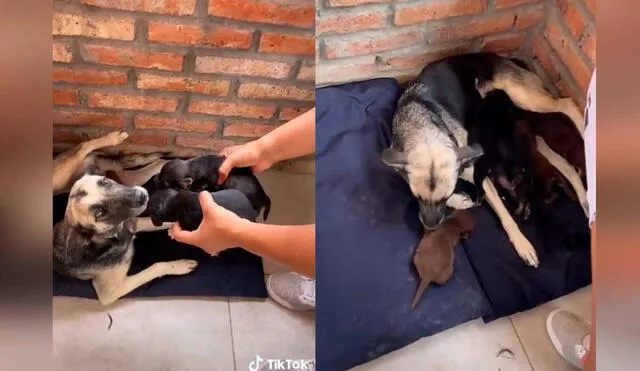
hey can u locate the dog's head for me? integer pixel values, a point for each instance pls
(100, 204)
(174, 174)
(432, 172)
(161, 208)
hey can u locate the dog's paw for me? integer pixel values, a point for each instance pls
(180, 267)
(460, 201)
(525, 249)
(117, 137)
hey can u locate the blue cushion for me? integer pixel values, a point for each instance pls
(235, 272)
(367, 231)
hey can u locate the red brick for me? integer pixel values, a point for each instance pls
(214, 144)
(155, 140)
(173, 7)
(418, 60)
(290, 113)
(68, 136)
(434, 10)
(72, 118)
(287, 44)
(97, 26)
(61, 52)
(221, 37)
(588, 45)
(131, 102)
(247, 130)
(66, 97)
(307, 73)
(340, 3)
(80, 75)
(176, 124)
(176, 83)
(242, 66)
(231, 109)
(501, 44)
(115, 56)
(340, 71)
(348, 23)
(573, 17)
(363, 45)
(568, 54)
(456, 31)
(292, 14)
(503, 4)
(269, 91)
(543, 55)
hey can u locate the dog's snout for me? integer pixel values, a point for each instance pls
(431, 216)
(140, 197)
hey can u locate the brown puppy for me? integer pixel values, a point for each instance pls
(434, 256)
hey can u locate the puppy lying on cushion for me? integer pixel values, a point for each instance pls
(434, 256)
(201, 173)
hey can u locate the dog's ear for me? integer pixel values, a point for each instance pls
(186, 183)
(469, 154)
(394, 158)
(93, 169)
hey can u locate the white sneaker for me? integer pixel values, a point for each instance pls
(292, 290)
(570, 335)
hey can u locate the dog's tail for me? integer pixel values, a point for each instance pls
(423, 286)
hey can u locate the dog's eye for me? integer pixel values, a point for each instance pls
(99, 212)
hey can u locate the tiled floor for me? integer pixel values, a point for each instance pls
(194, 334)
(475, 346)
(226, 334)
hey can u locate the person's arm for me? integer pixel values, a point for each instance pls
(294, 246)
(293, 139)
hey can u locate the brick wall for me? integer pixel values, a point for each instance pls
(564, 48)
(362, 39)
(180, 75)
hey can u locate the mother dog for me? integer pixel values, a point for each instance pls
(430, 146)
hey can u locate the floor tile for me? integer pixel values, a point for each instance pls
(167, 334)
(472, 346)
(531, 329)
(266, 329)
(293, 202)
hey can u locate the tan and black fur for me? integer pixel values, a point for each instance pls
(435, 255)
(430, 145)
(95, 239)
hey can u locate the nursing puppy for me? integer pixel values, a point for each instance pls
(201, 173)
(435, 255)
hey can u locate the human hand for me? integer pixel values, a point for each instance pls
(253, 154)
(218, 230)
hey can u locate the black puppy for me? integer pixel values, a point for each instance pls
(173, 205)
(201, 174)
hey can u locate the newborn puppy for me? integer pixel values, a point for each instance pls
(173, 205)
(201, 173)
(434, 256)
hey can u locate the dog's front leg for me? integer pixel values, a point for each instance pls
(566, 169)
(522, 245)
(146, 225)
(111, 286)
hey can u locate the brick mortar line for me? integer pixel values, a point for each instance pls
(208, 77)
(590, 17)
(172, 115)
(563, 70)
(363, 9)
(428, 26)
(193, 19)
(158, 47)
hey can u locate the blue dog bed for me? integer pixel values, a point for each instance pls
(234, 272)
(368, 229)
